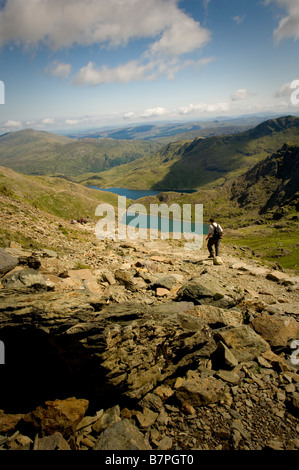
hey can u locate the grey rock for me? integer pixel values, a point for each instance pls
(243, 342)
(54, 442)
(122, 435)
(276, 330)
(26, 278)
(166, 282)
(201, 391)
(206, 290)
(7, 262)
(108, 418)
(125, 279)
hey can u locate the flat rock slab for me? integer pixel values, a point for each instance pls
(201, 391)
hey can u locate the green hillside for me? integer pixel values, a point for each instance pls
(42, 153)
(202, 162)
(55, 196)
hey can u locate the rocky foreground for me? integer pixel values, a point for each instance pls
(145, 345)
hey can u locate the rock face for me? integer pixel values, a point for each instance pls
(139, 351)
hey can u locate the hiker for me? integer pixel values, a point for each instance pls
(214, 236)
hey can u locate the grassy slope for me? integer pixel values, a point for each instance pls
(54, 195)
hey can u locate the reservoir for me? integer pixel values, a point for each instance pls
(139, 193)
(147, 221)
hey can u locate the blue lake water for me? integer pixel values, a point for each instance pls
(147, 221)
(138, 193)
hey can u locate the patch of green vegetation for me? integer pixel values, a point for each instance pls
(63, 230)
(81, 266)
(272, 245)
(7, 236)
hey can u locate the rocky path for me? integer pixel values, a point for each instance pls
(145, 345)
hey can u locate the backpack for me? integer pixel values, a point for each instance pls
(217, 232)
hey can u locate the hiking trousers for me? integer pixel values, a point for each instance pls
(213, 242)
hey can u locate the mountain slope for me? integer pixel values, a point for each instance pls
(214, 160)
(55, 196)
(271, 184)
(41, 153)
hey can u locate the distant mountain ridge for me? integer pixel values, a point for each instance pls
(41, 153)
(203, 162)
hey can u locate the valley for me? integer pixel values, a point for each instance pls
(144, 341)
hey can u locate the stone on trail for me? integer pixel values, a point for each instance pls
(26, 278)
(276, 330)
(201, 391)
(122, 435)
(166, 282)
(7, 262)
(217, 261)
(244, 343)
(125, 279)
(55, 416)
(54, 442)
(108, 418)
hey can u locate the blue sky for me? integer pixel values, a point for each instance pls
(72, 64)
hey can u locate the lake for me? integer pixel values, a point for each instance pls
(147, 221)
(138, 193)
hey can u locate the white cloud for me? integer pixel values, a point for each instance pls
(170, 32)
(205, 4)
(205, 108)
(59, 69)
(142, 70)
(284, 91)
(153, 112)
(12, 124)
(289, 25)
(241, 94)
(85, 22)
(182, 37)
(72, 122)
(132, 70)
(239, 19)
(48, 121)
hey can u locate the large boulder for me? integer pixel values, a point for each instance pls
(205, 289)
(25, 278)
(201, 391)
(278, 331)
(7, 262)
(243, 342)
(123, 435)
(55, 416)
